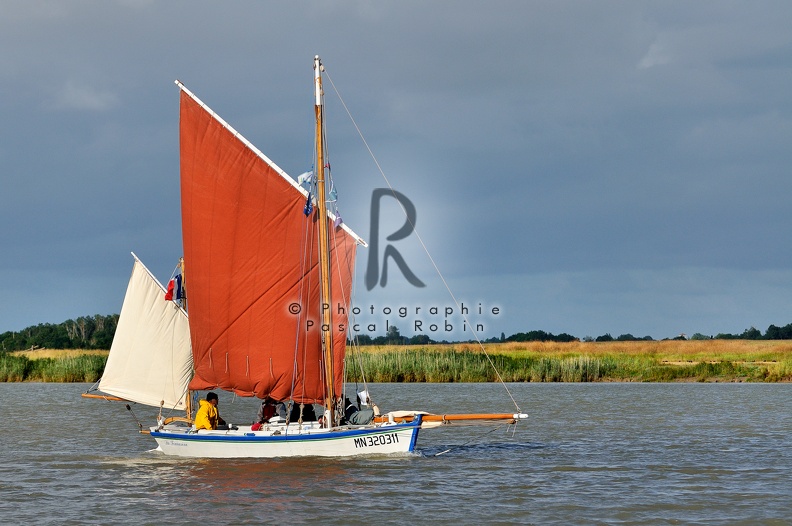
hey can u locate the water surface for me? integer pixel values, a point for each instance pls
(590, 454)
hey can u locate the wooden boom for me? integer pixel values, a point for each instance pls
(447, 419)
(104, 397)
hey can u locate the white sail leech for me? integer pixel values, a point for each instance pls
(150, 360)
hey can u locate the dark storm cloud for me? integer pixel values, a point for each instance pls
(592, 167)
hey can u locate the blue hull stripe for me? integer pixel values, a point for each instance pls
(308, 437)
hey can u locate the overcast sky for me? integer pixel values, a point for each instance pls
(584, 167)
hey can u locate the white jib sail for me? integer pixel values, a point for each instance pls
(150, 360)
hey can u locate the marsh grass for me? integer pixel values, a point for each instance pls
(13, 368)
(59, 353)
(645, 361)
(73, 366)
(418, 365)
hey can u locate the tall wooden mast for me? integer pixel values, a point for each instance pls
(324, 250)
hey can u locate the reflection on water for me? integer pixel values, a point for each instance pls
(602, 453)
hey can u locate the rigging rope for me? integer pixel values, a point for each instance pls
(350, 314)
(423, 245)
(353, 273)
(307, 251)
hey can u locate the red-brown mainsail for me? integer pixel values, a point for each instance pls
(251, 268)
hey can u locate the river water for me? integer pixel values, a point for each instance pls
(590, 454)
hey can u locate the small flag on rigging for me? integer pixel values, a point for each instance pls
(175, 288)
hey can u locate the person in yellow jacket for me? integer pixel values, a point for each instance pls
(207, 416)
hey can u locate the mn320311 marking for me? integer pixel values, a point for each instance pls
(377, 440)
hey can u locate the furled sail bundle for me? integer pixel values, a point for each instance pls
(252, 273)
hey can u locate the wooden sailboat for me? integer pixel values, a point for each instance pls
(269, 287)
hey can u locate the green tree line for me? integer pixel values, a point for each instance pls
(394, 337)
(86, 332)
(773, 332)
(96, 332)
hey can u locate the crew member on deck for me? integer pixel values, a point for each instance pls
(266, 411)
(207, 416)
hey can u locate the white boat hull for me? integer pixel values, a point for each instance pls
(279, 441)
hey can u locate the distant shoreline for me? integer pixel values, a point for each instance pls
(640, 361)
(625, 361)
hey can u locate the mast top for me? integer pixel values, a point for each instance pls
(318, 80)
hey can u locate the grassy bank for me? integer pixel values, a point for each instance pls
(666, 361)
(644, 361)
(52, 366)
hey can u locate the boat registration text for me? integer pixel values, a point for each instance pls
(376, 440)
